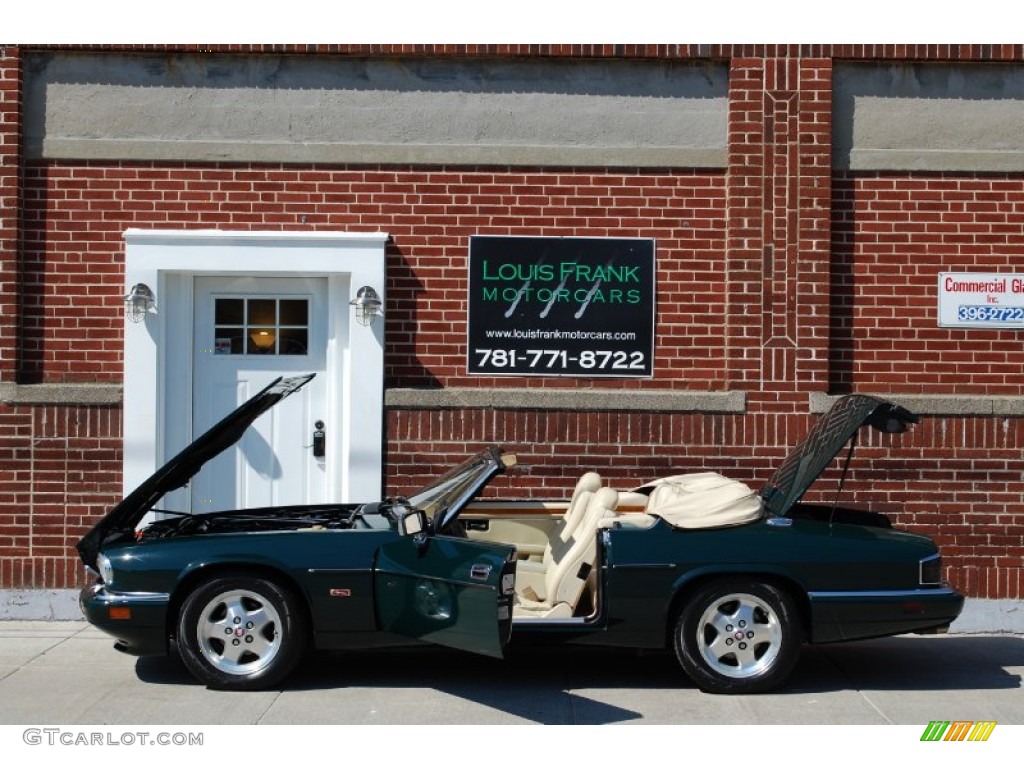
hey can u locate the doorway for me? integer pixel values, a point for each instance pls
(234, 309)
(247, 332)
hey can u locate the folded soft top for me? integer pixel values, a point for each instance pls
(701, 500)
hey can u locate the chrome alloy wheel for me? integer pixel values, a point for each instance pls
(739, 635)
(239, 632)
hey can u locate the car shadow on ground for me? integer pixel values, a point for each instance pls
(912, 663)
(951, 663)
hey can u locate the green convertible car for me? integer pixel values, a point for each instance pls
(732, 580)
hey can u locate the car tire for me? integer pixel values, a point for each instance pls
(241, 633)
(738, 637)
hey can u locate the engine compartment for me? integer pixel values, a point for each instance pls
(318, 517)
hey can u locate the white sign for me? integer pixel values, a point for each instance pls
(981, 300)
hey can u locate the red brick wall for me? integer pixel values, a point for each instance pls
(75, 216)
(893, 235)
(432, 215)
(61, 472)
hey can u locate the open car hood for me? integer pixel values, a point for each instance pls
(826, 438)
(183, 467)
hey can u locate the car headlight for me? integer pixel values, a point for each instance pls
(105, 568)
(931, 570)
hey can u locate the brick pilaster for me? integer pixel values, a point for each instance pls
(744, 235)
(813, 236)
(779, 193)
(10, 206)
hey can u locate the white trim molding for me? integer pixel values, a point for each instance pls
(157, 351)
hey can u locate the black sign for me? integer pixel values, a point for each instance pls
(561, 306)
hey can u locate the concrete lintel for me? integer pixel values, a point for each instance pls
(566, 400)
(963, 160)
(937, 405)
(60, 394)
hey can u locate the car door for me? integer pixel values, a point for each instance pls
(444, 590)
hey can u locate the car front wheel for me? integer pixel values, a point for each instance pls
(240, 633)
(738, 637)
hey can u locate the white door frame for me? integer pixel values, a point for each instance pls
(158, 352)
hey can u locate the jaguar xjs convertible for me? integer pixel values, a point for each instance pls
(732, 580)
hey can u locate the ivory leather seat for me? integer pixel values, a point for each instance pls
(556, 592)
(557, 546)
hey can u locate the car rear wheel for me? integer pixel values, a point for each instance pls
(241, 633)
(738, 637)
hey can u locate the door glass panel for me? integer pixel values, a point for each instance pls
(230, 312)
(292, 341)
(294, 312)
(262, 311)
(262, 341)
(261, 326)
(228, 341)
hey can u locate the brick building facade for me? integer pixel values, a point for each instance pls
(797, 253)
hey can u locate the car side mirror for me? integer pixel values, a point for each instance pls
(413, 523)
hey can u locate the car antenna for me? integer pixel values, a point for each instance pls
(842, 477)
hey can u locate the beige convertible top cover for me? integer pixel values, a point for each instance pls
(702, 500)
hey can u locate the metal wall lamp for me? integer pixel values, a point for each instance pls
(138, 302)
(368, 305)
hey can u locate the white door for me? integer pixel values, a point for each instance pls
(247, 332)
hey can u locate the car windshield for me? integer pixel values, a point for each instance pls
(445, 497)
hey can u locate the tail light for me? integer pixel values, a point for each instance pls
(931, 570)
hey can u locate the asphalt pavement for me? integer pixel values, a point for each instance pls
(67, 673)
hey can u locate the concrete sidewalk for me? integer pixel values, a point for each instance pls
(67, 673)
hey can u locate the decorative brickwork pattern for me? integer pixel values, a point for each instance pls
(779, 172)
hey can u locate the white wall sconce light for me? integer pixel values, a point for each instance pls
(138, 302)
(368, 305)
